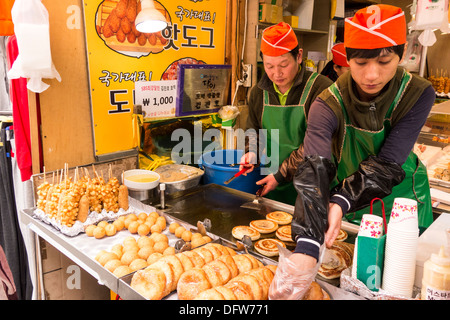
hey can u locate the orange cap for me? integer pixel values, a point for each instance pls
(278, 39)
(339, 55)
(374, 27)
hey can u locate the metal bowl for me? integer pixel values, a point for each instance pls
(192, 180)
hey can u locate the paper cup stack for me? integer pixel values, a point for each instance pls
(371, 226)
(401, 246)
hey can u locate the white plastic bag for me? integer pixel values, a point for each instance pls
(430, 16)
(34, 62)
(290, 283)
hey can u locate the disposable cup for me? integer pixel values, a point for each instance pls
(371, 226)
(404, 211)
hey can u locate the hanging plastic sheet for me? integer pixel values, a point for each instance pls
(430, 16)
(34, 62)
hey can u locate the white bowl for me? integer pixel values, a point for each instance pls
(134, 185)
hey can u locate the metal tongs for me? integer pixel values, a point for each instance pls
(202, 227)
(244, 244)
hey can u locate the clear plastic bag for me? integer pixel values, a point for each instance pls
(34, 62)
(289, 282)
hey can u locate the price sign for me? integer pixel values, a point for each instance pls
(157, 98)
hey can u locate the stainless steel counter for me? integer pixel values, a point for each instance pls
(219, 204)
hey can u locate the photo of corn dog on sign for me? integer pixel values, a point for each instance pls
(115, 25)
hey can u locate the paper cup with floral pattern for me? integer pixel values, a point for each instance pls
(404, 213)
(371, 226)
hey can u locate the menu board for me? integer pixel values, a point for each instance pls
(119, 56)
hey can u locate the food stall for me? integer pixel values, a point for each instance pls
(146, 242)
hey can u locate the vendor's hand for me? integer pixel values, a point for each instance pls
(293, 277)
(334, 224)
(269, 182)
(248, 160)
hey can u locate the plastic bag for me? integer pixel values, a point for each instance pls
(289, 283)
(34, 62)
(228, 112)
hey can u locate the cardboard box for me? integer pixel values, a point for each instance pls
(291, 20)
(268, 13)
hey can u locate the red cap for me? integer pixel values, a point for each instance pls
(374, 27)
(339, 55)
(278, 40)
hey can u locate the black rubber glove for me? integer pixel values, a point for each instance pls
(375, 178)
(312, 182)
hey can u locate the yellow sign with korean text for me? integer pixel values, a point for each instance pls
(119, 56)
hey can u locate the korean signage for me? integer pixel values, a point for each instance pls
(119, 56)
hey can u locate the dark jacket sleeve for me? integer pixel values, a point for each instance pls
(312, 182)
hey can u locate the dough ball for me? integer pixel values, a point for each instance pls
(160, 246)
(143, 230)
(145, 252)
(155, 256)
(102, 224)
(110, 230)
(99, 232)
(119, 224)
(111, 265)
(107, 256)
(128, 257)
(186, 235)
(121, 271)
(145, 241)
(169, 251)
(179, 231)
(90, 230)
(156, 228)
(133, 226)
(142, 216)
(173, 226)
(138, 264)
(129, 240)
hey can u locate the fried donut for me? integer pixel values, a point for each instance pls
(196, 259)
(191, 283)
(215, 252)
(229, 262)
(150, 284)
(177, 268)
(205, 254)
(253, 284)
(217, 272)
(243, 263)
(185, 261)
(168, 272)
(240, 290)
(227, 293)
(210, 294)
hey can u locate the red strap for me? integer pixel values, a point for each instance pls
(382, 210)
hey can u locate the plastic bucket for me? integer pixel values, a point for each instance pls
(221, 165)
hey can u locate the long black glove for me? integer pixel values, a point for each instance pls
(312, 182)
(375, 178)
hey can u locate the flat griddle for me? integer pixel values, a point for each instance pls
(222, 206)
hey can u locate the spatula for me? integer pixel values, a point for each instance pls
(255, 204)
(235, 175)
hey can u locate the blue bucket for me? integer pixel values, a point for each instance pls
(218, 168)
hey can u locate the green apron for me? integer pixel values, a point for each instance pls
(290, 121)
(358, 144)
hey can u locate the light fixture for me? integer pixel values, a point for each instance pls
(149, 19)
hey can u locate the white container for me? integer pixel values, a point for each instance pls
(135, 185)
(303, 9)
